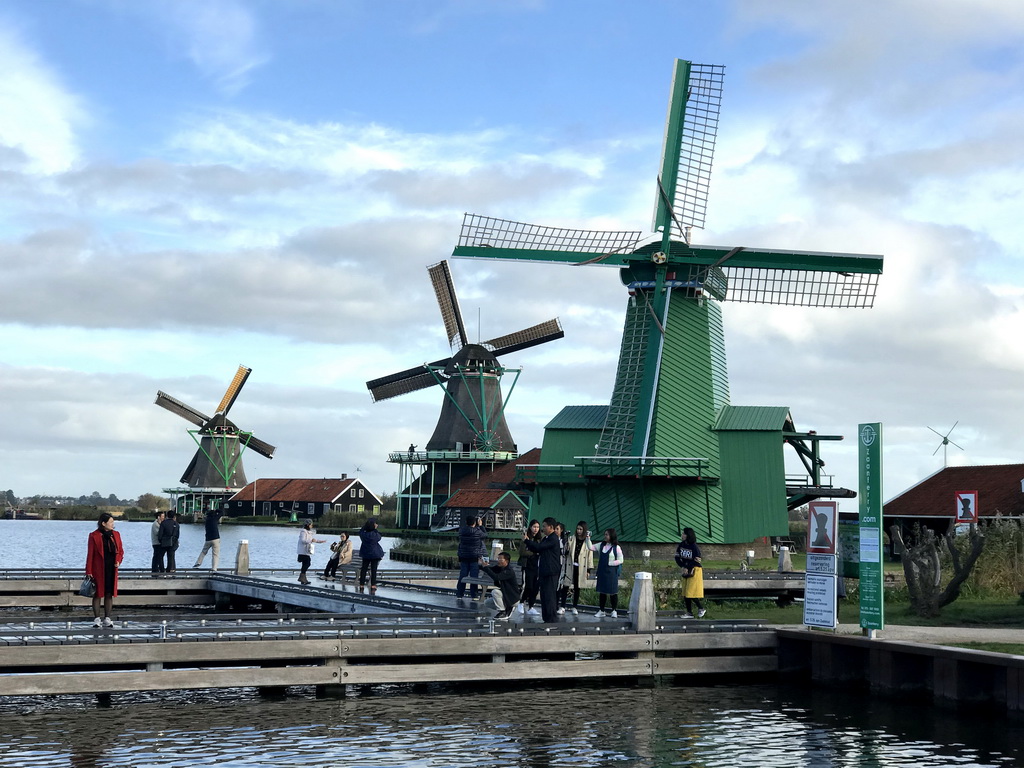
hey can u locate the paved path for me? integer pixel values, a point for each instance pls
(942, 635)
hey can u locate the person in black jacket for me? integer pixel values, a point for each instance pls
(506, 597)
(169, 539)
(549, 568)
(471, 549)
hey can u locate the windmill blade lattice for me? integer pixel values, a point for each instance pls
(234, 388)
(404, 382)
(528, 337)
(444, 288)
(186, 412)
(689, 147)
(481, 233)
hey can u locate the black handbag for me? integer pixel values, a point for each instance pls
(88, 587)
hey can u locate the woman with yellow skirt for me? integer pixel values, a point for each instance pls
(689, 559)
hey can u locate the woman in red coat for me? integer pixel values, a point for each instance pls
(104, 558)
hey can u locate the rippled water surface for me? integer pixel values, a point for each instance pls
(523, 726)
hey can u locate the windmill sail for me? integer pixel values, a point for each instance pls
(689, 147)
(444, 288)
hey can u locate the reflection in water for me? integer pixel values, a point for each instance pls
(518, 726)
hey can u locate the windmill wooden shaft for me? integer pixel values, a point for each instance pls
(672, 450)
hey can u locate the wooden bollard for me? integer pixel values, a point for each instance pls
(641, 603)
(242, 558)
(785, 561)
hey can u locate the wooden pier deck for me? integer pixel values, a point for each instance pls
(329, 634)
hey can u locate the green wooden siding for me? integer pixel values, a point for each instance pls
(753, 485)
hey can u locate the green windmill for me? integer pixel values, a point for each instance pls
(670, 450)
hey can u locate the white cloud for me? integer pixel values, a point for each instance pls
(220, 37)
(38, 115)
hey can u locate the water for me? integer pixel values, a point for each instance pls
(524, 725)
(514, 725)
(62, 544)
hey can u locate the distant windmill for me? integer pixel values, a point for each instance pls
(945, 442)
(218, 460)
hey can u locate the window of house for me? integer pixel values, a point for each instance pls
(360, 493)
(352, 508)
(266, 507)
(311, 508)
(360, 508)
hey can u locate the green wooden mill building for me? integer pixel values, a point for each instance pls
(669, 451)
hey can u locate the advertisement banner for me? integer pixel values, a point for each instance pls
(872, 611)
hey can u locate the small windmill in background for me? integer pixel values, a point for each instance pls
(946, 442)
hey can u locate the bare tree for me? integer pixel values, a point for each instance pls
(922, 567)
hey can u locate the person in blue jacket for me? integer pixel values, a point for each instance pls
(371, 552)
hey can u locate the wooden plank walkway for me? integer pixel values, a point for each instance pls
(410, 629)
(313, 649)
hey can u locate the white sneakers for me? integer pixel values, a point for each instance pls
(575, 612)
(700, 613)
(599, 615)
(686, 616)
(560, 611)
(533, 612)
(521, 608)
(97, 622)
(107, 622)
(614, 614)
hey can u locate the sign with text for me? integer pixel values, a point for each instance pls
(967, 506)
(822, 517)
(872, 603)
(821, 564)
(820, 598)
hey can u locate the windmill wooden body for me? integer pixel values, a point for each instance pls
(471, 430)
(672, 451)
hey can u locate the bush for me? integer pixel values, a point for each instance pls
(999, 572)
(351, 521)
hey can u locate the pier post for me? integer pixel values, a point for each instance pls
(641, 603)
(242, 558)
(785, 561)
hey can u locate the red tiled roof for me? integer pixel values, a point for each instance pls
(998, 487)
(325, 489)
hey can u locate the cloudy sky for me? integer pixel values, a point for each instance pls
(189, 186)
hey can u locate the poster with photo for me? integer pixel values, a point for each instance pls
(967, 506)
(822, 519)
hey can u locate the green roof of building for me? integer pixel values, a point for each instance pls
(579, 417)
(751, 418)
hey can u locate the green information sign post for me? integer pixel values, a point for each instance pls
(872, 613)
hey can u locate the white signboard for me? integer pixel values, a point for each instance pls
(870, 546)
(821, 564)
(820, 600)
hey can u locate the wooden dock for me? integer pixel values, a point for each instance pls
(405, 632)
(312, 649)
